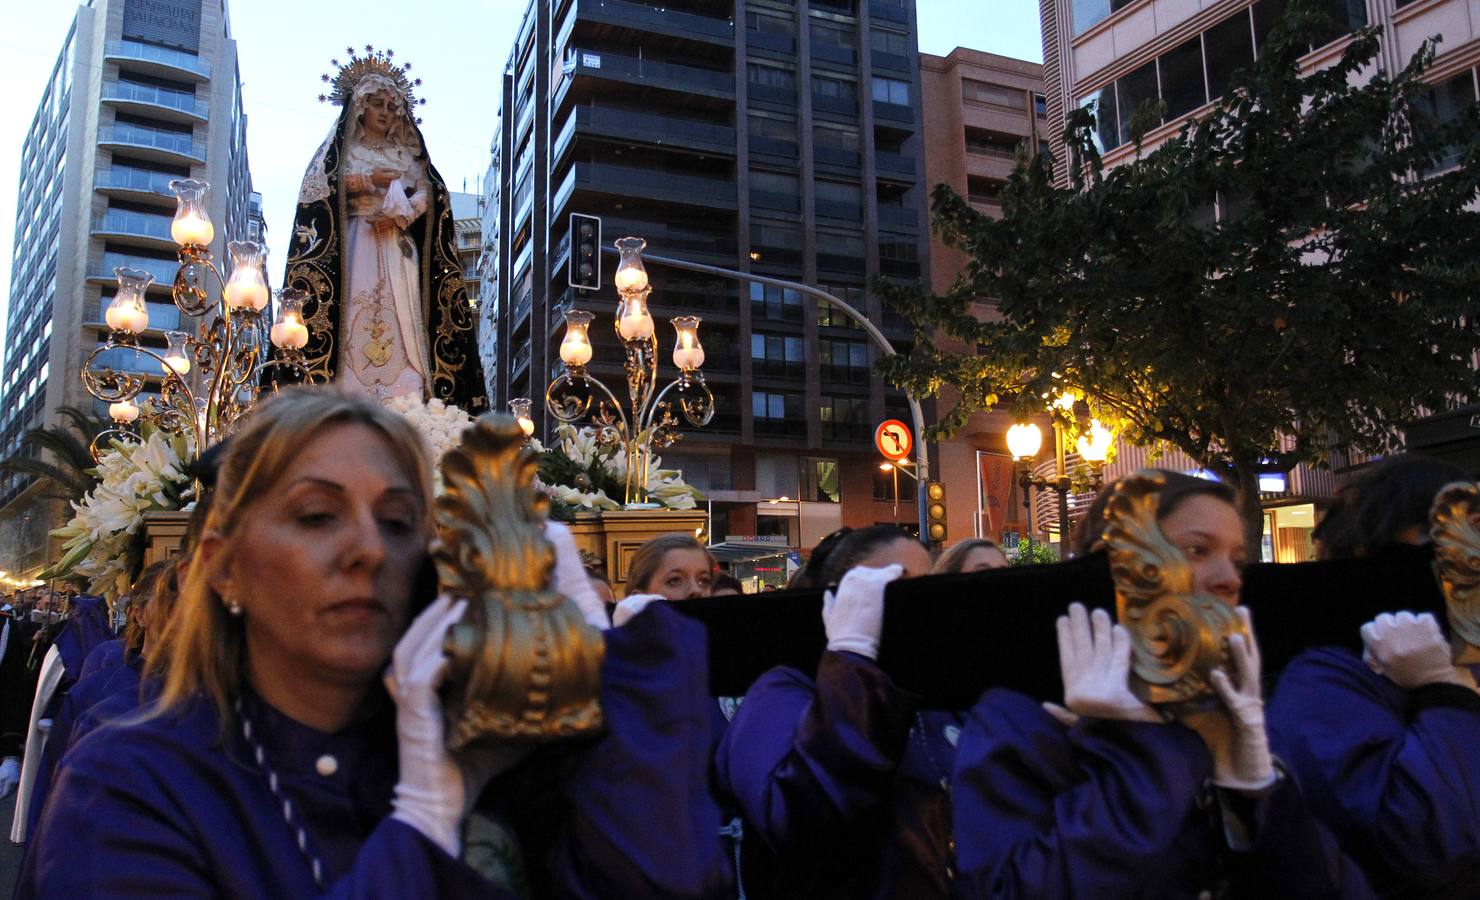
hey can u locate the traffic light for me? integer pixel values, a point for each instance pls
(935, 512)
(583, 272)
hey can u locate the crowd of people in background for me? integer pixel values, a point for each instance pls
(268, 724)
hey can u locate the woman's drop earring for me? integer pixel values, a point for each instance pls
(234, 608)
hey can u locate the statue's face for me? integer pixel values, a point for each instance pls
(377, 114)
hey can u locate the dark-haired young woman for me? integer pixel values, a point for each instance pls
(1105, 797)
(1386, 746)
(841, 774)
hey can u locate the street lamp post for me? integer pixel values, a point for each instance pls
(1023, 442)
(648, 423)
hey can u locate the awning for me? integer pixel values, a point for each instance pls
(735, 551)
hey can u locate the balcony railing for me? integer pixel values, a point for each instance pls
(846, 106)
(834, 53)
(138, 180)
(773, 147)
(776, 43)
(164, 56)
(836, 156)
(131, 92)
(520, 359)
(772, 94)
(138, 136)
(663, 185)
(656, 129)
(163, 270)
(664, 21)
(835, 209)
(889, 12)
(893, 112)
(687, 79)
(898, 216)
(123, 221)
(895, 163)
(895, 61)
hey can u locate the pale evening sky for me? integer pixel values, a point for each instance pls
(458, 48)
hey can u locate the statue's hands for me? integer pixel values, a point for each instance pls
(1411, 651)
(382, 178)
(356, 184)
(381, 224)
(1095, 661)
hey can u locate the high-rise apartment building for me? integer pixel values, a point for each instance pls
(467, 219)
(980, 110)
(143, 92)
(780, 137)
(1117, 54)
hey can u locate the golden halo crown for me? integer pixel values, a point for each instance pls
(373, 62)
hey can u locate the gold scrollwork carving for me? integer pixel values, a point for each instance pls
(524, 664)
(1455, 527)
(1178, 637)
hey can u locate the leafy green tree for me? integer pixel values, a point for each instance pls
(1332, 298)
(67, 472)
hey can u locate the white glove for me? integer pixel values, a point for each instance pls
(854, 617)
(1235, 734)
(431, 796)
(629, 607)
(1411, 651)
(10, 776)
(570, 578)
(1095, 662)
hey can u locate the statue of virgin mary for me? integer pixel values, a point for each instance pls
(374, 245)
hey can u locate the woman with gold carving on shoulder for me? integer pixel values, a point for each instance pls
(1386, 745)
(1106, 796)
(296, 744)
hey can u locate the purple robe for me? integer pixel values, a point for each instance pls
(1394, 773)
(837, 779)
(162, 808)
(1120, 809)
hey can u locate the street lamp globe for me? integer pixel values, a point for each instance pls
(1023, 440)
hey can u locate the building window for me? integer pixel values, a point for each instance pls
(775, 303)
(829, 316)
(820, 483)
(773, 242)
(760, 23)
(995, 94)
(990, 143)
(1088, 13)
(1132, 90)
(844, 418)
(834, 94)
(891, 90)
(884, 487)
(771, 83)
(1228, 48)
(843, 360)
(773, 135)
(1446, 102)
(832, 43)
(891, 42)
(1040, 105)
(778, 355)
(775, 190)
(839, 200)
(778, 414)
(1182, 84)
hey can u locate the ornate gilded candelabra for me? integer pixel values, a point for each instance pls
(212, 377)
(648, 422)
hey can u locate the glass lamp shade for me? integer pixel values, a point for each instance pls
(176, 354)
(688, 353)
(1094, 446)
(246, 288)
(123, 412)
(630, 276)
(634, 322)
(1065, 401)
(290, 332)
(575, 349)
(192, 225)
(519, 407)
(1023, 440)
(127, 311)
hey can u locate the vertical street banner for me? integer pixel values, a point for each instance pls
(994, 477)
